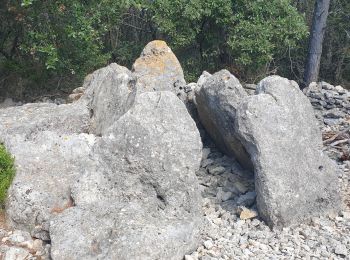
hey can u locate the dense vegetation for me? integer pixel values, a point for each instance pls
(51, 45)
(7, 172)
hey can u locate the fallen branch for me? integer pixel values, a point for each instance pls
(340, 142)
(335, 136)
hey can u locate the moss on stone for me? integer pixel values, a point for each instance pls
(7, 173)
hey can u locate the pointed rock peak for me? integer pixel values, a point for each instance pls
(156, 47)
(158, 69)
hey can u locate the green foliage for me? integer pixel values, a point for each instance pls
(335, 62)
(51, 43)
(7, 173)
(244, 34)
(66, 36)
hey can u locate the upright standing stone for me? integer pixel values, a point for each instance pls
(294, 180)
(110, 92)
(217, 99)
(158, 69)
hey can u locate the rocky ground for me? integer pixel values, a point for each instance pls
(232, 228)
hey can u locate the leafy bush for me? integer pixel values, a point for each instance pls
(7, 172)
(243, 36)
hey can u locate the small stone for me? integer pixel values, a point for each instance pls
(247, 213)
(207, 162)
(208, 244)
(19, 236)
(341, 250)
(28, 244)
(264, 247)
(327, 86)
(37, 244)
(346, 214)
(340, 89)
(216, 170)
(3, 233)
(16, 253)
(205, 153)
(255, 222)
(247, 199)
(333, 113)
(74, 97)
(188, 257)
(332, 121)
(222, 195)
(208, 258)
(78, 90)
(240, 187)
(217, 221)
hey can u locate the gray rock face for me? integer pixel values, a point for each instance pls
(127, 232)
(158, 69)
(294, 180)
(47, 141)
(135, 185)
(110, 93)
(141, 199)
(217, 101)
(52, 147)
(47, 164)
(32, 118)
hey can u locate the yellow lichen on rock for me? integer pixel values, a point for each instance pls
(157, 69)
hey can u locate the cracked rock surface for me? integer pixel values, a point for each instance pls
(121, 173)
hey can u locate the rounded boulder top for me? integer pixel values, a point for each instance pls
(156, 47)
(158, 69)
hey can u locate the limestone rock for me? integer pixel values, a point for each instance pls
(46, 165)
(128, 232)
(141, 200)
(30, 119)
(47, 141)
(52, 147)
(203, 78)
(158, 69)
(217, 101)
(110, 93)
(247, 213)
(294, 180)
(16, 253)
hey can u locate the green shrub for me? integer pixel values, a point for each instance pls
(7, 172)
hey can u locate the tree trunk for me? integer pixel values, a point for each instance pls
(318, 29)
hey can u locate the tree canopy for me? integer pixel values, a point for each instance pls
(54, 44)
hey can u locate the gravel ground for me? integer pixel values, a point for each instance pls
(233, 229)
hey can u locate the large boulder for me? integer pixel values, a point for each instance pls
(141, 199)
(46, 141)
(52, 145)
(217, 99)
(47, 164)
(110, 92)
(32, 118)
(294, 180)
(158, 69)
